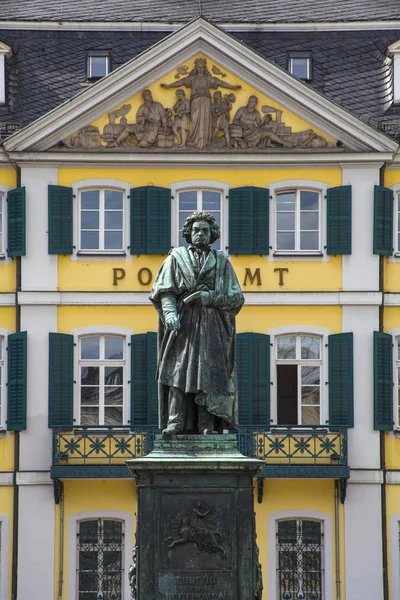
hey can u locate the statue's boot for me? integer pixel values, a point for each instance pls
(177, 408)
(205, 421)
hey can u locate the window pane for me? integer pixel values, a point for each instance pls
(113, 219)
(113, 240)
(286, 347)
(211, 201)
(398, 348)
(113, 416)
(309, 220)
(98, 66)
(112, 531)
(88, 531)
(89, 240)
(310, 375)
(310, 347)
(1, 243)
(90, 199)
(188, 201)
(113, 395)
(309, 200)
(113, 375)
(89, 416)
(285, 201)
(309, 240)
(90, 219)
(87, 561)
(90, 348)
(112, 199)
(310, 415)
(113, 348)
(285, 220)
(285, 241)
(299, 67)
(1, 348)
(90, 375)
(310, 395)
(90, 396)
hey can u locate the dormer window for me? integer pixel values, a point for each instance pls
(299, 65)
(394, 52)
(98, 64)
(4, 51)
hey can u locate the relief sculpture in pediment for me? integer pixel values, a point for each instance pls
(201, 122)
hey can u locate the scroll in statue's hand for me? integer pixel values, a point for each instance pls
(200, 297)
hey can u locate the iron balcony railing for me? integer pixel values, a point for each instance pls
(289, 445)
(295, 445)
(101, 445)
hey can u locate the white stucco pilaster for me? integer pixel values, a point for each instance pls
(363, 439)
(39, 268)
(36, 441)
(363, 542)
(361, 267)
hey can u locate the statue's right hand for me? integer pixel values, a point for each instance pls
(172, 322)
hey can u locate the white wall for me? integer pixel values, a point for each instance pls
(36, 542)
(36, 441)
(363, 440)
(363, 542)
(361, 268)
(39, 268)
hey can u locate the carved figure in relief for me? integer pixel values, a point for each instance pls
(181, 111)
(200, 81)
(256, 131)
(220, 110)
(151, 119)
(197, 296)
(198, 527)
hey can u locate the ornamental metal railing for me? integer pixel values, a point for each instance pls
(294, 444)
(101, 445)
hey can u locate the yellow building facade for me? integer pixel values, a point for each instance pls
(317, 389)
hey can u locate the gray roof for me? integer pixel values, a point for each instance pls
(349, 68)
(219, 11)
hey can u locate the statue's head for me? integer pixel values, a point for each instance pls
(146, 95)
(180, 94)
(252, 101)
(199, 225)
(200, 67)
(217, 96)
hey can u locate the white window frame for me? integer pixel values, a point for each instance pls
(310, 515)
(4, 333)
(296, 331)
(395, 333)
(394, 52)
(111, 184)
(97, 54)
(200, 185)
(4, 52)
(73, 524)
(281, 186)
(396, 209)
(299, 57)
(102, 331)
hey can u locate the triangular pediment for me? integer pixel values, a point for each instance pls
(233, 101)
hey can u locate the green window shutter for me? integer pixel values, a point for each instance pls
(144, 386)
(60, 219)
(341, 400)
(383, 221)
(383, 381)
(150, 220)
(61, 380)
(253, 374)
(16, 218)
(16, 381)
(248, 220)
(339, 220)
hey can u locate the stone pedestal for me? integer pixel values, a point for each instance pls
(196, 529)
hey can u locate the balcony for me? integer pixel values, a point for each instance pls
(289, 451)
(293, 451)
(99, 451)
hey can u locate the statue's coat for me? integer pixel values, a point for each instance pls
(199, 358)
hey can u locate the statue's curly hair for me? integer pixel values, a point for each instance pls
(200, 216)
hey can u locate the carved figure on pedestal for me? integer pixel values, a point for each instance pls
(200, 81)
(197, 295)
(220, 110)
(181, 111)
(151, 119)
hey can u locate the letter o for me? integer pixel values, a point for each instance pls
(145, 276)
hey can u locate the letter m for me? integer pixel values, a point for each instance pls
(252, 276)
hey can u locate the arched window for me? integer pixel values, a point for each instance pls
(102, 378)
(300, 559)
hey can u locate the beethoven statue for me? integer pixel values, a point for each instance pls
(197, 296)
(200, 81)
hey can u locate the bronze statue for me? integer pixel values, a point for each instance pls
(197, 295)
(200, 81)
